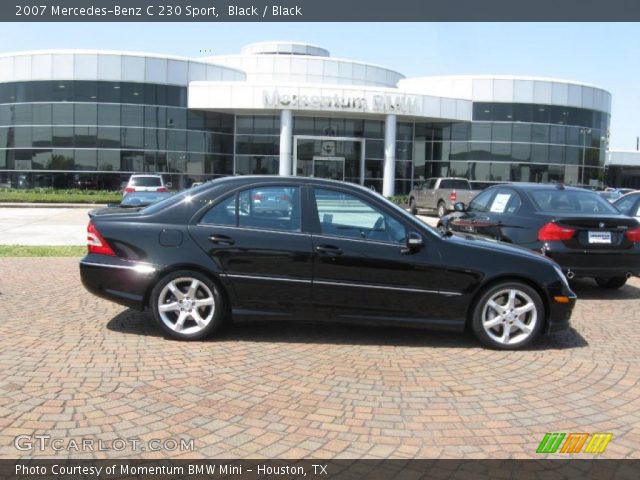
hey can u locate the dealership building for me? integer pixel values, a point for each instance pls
(86, 118)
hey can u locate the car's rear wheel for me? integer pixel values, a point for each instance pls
(442, 209)
(187, 305)
(508, 316)
(413, 208)
(615, 282)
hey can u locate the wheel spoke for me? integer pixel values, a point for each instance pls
(493, 322)
(169, 307)
(512, 299)
(524, 308)
(506, 332)
(180, 323)
(176, 291)
(522, 326)
(191, 293)
(199, 320)
(496, 306)
(204, 302)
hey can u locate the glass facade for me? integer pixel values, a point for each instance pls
(515, 142)
(76, 133)
(94, 134)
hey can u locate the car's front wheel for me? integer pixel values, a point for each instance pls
(187, 305)
(612, 283)
(508, 316)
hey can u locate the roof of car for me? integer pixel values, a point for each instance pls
(247, 179)
(541, 186)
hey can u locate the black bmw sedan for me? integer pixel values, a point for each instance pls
(579, 229)
(338, 252)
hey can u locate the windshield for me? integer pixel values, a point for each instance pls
(571, 201)
(145, 182)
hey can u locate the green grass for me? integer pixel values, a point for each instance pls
(50, 195)
(41, 251)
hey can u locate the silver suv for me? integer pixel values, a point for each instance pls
(145, 183)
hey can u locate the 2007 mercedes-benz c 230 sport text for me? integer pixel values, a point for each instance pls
(338, 252)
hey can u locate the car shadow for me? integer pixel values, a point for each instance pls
(587, 289)
(133, 322)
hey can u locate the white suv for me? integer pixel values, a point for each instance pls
(145, 183)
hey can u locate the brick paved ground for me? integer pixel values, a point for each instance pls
(74, 366)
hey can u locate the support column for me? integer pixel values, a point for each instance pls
(389, 179)
(286, 142)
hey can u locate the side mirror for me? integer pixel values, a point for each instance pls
(459, 207)
(414, 242)
(169, 185)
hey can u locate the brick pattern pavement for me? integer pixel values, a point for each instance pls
(74, 366)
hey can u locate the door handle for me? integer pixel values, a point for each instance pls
(221, 240)
(328, 249)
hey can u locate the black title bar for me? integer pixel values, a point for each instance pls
(318, 10)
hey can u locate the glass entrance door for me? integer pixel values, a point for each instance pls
(328, 167)
(337, 158)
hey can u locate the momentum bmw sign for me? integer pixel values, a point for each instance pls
(405, 104)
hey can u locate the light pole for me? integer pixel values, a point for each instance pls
(584, 131)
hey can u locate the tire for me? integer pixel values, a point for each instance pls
(181, 318)
(412, 206)
(611, 283)
(442, 209)
(495, 311)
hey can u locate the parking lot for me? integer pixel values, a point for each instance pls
(75, 367)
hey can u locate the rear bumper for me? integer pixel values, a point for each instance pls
(117, 280)
(597, 263)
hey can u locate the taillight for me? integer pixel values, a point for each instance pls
(284, 198)
(633, 234)
(95, 242)
(162, 189)
(452, 196)
(552, 231)
(257, 197)
(129, 189)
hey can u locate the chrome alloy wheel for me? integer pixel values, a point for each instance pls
(509, 316)
(186, 305)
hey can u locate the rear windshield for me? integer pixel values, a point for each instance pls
(455, 184)
(178, 197)
(137, 198)
(145, 182)
(570, 201)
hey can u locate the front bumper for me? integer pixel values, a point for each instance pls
(121, 281)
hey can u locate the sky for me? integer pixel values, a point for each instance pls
(604, 54)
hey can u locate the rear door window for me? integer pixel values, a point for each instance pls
(224, 213)
(481, 202)
(506, 201)
(272, 208)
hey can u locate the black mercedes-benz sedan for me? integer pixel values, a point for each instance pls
(579, 229)
(338, 252)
